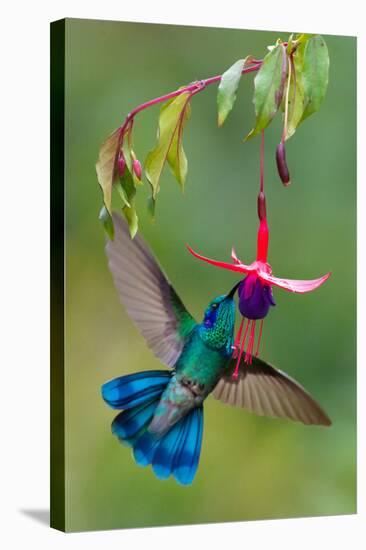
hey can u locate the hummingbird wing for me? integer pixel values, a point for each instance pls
(147, 294)
(267, 391)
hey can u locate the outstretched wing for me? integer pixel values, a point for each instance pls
(147, 295)
(267, 391)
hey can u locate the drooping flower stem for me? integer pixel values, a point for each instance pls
(261, 177)
(262, 253)
(255, 289)
(263, 232)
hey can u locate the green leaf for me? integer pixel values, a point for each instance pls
(302, 38)
(296, 102)
(132, 219)
(226, 94)
(268, 88)
(105, 166)
(171, 118)
(176, 158)
(151, 208)
(122, 193)
(290, 44)
(107, 221)
(296, 105)
(126, 182)
(128, 190)
(314, 74)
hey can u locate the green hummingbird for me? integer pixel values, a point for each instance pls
(162, 410)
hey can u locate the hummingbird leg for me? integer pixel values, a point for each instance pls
(196, 388)
(187, 382)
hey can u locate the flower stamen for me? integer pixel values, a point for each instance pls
(236, 371)
(250, 328)
(249, 352)
(259, 338)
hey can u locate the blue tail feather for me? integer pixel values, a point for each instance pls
(162, 463)
(144, 448)
(129, 423)
(131, 390)
(187, 458)
(175, 453)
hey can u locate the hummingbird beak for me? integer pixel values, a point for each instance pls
(230, 295)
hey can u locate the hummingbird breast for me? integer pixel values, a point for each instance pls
(200, 366)
(197, 372)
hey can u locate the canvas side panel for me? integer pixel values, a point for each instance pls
(57, 275)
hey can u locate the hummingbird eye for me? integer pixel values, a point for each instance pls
(215, 306)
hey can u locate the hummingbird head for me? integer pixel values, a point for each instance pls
(217, 328)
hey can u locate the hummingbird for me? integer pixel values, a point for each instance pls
(161, 416)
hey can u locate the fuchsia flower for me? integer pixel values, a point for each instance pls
(255, 290)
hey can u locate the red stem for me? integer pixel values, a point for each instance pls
(263, 232)
(192, 88)
(261, 181)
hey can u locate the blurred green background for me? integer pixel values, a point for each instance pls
(251, 468)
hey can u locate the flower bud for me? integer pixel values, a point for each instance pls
(136, 166)
(281, 164)
(121, 164)
(261, 206)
